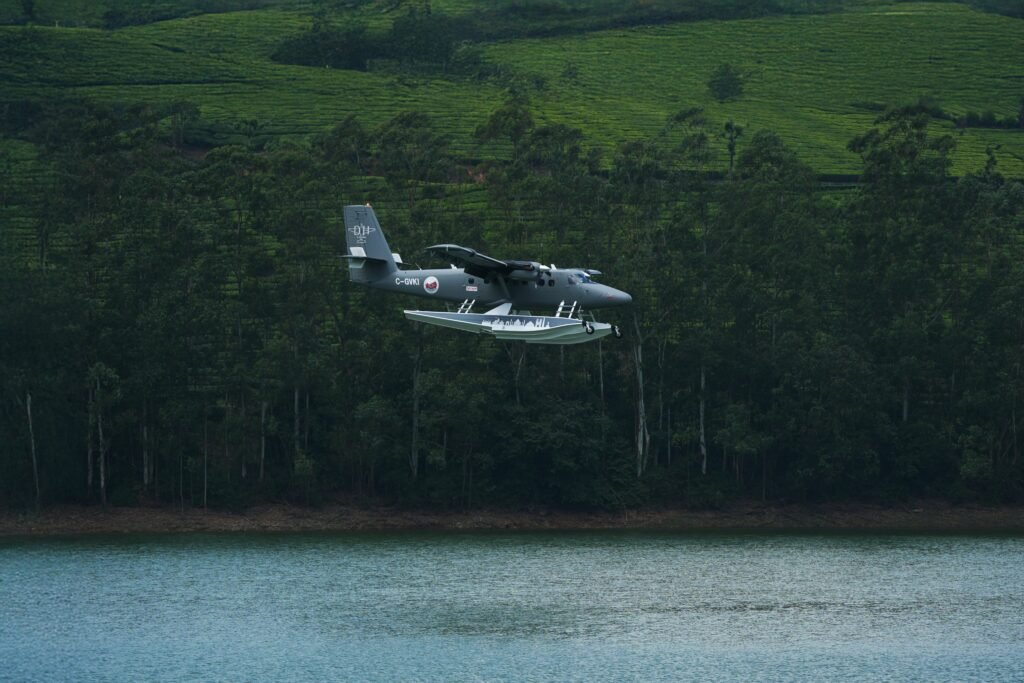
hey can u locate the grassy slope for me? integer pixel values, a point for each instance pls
(808, 77)
(90, 13)
(221, 62)
(20, 174)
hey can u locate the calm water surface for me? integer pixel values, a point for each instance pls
(513, 607)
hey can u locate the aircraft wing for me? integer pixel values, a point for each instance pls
(470, 260)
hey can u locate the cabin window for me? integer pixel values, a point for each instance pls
(472, 280)
(551, 283)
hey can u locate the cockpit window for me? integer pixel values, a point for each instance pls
(584, 278)
(572, 279)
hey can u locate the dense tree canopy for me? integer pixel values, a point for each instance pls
(180, 328)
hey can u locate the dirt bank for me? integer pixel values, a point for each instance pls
(924, 516)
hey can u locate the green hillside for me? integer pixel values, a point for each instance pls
(176, 307)
(817, 80)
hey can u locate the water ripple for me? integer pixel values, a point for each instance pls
(516, 607)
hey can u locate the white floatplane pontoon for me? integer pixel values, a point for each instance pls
(565, 327)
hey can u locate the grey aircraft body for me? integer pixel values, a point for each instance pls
(506, 290)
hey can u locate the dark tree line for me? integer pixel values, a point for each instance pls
(182, 330)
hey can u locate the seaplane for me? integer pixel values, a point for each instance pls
(504, 293)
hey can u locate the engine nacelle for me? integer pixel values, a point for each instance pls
(524, 270)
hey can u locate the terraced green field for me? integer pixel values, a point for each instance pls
(817, 80)
(222, 63)
(811, 79)
(20, 176)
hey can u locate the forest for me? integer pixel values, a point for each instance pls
(181, 328)
(827, 290)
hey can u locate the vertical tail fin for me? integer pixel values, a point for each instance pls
(369, 257)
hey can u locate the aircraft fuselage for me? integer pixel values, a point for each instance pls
(547, 290)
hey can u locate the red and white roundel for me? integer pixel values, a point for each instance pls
(431, 285)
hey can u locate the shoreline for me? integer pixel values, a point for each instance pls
(912, 517)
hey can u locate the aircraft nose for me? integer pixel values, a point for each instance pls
(617, 297)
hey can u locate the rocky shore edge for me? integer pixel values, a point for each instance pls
(914, 517)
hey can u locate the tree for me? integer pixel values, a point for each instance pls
(512, 120)
(181, 114)
(343, 150)
(732, 133)
(904, 234)
(105, 387)
(726, 82)
(324, 45)
(776, 290)
(411, 152)
(425, 37)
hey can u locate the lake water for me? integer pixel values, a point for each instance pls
(568, 606)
